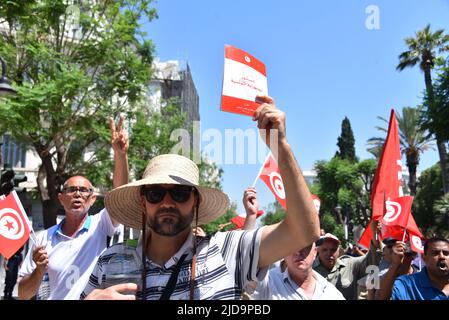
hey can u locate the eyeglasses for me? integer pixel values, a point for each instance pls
(85, 192)
(178, 193)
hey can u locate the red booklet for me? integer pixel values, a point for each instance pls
(244, 78)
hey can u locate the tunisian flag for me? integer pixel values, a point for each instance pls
(14, 225)
(416, 242)
(388, 177)
(271, 176)
(397, 218)
(398, 211)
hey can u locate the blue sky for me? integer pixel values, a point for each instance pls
(322, 64)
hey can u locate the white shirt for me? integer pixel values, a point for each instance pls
(226, 261)
(278, 285)
(71, 260)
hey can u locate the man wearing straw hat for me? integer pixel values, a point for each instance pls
(168, 201)
(67, 252)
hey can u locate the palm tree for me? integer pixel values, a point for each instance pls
(413, 141)
(423, 49)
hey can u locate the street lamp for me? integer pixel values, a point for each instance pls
(5, 87)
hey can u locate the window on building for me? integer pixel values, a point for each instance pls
(13, 153)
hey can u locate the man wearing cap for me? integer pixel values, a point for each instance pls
(67, 252)
(432, 283)
(344, 272)
(168, 201)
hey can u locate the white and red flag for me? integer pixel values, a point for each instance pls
(316, 203)
(398, 212)
(271, 175)
(416, 242)
(244, 78)
(387, 182)
(14, 225)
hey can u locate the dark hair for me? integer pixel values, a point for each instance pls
(432, 240)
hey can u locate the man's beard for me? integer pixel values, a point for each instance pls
(169, 226)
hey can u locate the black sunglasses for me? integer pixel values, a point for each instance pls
(179, 193)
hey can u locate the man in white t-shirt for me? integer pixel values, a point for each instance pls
(67, 252)
(298, 282)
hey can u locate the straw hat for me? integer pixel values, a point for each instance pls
(124, 203)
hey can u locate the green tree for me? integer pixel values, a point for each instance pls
(150, 135)
(423, 50)
(274, 213)
(345, 185)
(430, 189)
(441, 208)
(210, 173)
(329, 225)
(71, 73)
(214, 226)
(346, 142)
(412, 138)
(436, 120)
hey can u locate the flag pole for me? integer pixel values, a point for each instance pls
(383, 213)
(405, 232)
(260, 170)
(33, 237)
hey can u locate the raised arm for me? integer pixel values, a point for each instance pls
(251, 207)
(387, 281)
(300, 227)
(120, 145)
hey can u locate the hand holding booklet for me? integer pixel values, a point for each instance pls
(244, 78)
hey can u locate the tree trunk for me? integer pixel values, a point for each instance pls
(440, 144)
(48, 192)
(49, 208)
(412, 164)
(339, 217)
(444, 164)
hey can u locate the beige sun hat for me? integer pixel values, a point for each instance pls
(124, 203)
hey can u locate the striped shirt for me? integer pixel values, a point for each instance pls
(226, 261)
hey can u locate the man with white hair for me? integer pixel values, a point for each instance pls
(67, 252)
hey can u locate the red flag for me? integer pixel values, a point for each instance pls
(416, 243)
(14, 227)
(316, 203)
(395, 232)
(271, 176)
(388, 177)
(366, 237)
(239, 221)
(398, 211)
